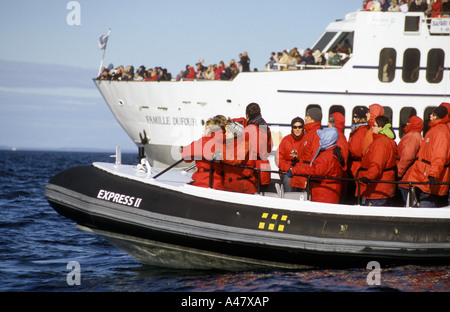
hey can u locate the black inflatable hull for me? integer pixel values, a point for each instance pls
(132, 213)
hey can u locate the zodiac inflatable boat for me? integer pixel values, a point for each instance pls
(160, 219)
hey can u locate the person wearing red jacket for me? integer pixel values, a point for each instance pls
(355, 142)
(309, 144)
(202, 150)
(257, 133)
(337, 120)
(433, 162)
(447, 105)
(327, 162)
(378, 163)
(436, 8)
(409, 145)
(375, 110)
(286, 155)
(407, 152)
(237, 178)
(190, 72)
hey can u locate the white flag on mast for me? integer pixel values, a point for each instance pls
(103, 40)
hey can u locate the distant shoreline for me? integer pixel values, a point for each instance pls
(68, 150)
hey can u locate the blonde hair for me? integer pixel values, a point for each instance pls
(217, 121)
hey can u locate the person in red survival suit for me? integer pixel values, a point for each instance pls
(433, 162)
(356, 138)
(409, 145)
(327, 162)
(259, 138)
(379, 163)
(287, 153)
(235, 159)
(309, 144)
(337, 120)
(408, 148)
(202, 150)
(375, 110)
(447, 105)
(355, 141)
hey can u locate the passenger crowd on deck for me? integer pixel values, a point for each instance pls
(283, 60)
(236, 151)
(434, 8)
(221, 71)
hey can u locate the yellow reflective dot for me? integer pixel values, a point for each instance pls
(274, 216)
(261, 225)
(271, 226)
(264, 215)
(281, 228)
(284, 217)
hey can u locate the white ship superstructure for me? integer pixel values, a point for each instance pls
(171, 114)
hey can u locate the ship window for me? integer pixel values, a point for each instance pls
(323, 41)
(411, 65)
(405, 114)
(386, 66)
(353, 112)
(336, 109)
(388, 113)
(412, 23)
(344, 43)
(435, 65)
(312, 106)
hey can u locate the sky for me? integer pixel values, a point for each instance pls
(49, 55)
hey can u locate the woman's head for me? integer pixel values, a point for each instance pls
(297, 126)
(215, 123)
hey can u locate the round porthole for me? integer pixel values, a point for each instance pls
(121, 102)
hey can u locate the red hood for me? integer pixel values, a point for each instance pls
(375, 111)
(339, 121)
(447, 105)
(415, 125)
(439, 121)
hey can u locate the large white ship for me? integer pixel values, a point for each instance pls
(162, 116)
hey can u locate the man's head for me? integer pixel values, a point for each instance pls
(253, 110)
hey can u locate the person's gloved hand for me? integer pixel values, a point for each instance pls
(289, 173)
(365, 180)
(432, 181)
(217, 155)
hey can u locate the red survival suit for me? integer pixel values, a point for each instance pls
(200, 151)
(308, 147)
(378, 163)
(326, 164)
(238, 179)
(283, 157)
(433, 159)
(260, 145)
(409, 145)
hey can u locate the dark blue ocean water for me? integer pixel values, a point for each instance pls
(36, 244)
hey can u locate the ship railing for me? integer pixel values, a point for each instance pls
(309, 178)
(280, 67)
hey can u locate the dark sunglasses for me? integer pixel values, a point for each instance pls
(297, 127)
